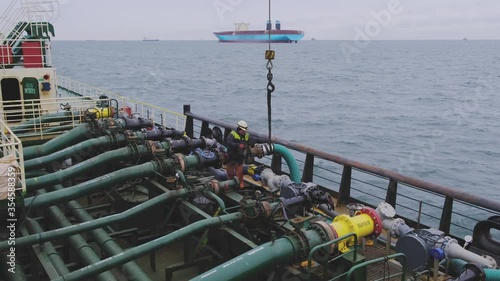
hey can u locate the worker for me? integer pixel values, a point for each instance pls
(237, 141)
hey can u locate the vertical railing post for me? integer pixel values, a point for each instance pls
(226, 133)
(445, 223)
(392, 193)
(205, 131)
(307, 174)
(276, 164)
(189, 121)
(345, 185)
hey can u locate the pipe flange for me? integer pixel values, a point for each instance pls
(151, 146)
(304, 243)
(131, 136)
(447, 242)
(377, 222)
(491, 261)
(395, 226)
(295, 236)
(189, 144)
(267, 209)
(187, 141)
(161, 165)
(327, 233)
(180, 159)
(215, 186)
(281, 179)
(259, 152)
(113, 139)
(135, 149)
(156, 149)
(386, 211)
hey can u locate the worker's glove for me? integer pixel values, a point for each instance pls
(242, 146)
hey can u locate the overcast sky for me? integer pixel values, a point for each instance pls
(321, 19)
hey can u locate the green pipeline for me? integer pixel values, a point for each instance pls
(290, 161)
(133, 253)
(108, 245)
(58, 129)
(79, 133)
(80, 149)
(282, 251)
(85, 166)
(47, 118)
(82, 248)
(48, 248)
(168, 166)
(110, 141)
(71, 137)
(41, 237)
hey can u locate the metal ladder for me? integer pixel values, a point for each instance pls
(19, 11)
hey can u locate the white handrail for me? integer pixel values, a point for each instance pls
(159, 115)
(48, 117)
(11, 146)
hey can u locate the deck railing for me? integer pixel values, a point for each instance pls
(11, 150)
(159, 115)
(28, 53)
(42, 119)
(421, 203)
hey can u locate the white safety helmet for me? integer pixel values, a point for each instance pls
(242, 125)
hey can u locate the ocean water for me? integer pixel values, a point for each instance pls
(427, 109)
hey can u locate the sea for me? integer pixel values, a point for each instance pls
(426, 109)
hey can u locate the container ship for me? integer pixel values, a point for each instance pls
(277, 35)
(96, 186)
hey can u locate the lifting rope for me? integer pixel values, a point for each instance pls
(270, 86)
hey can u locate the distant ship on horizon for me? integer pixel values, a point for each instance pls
(243, 34)
(146, 39)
